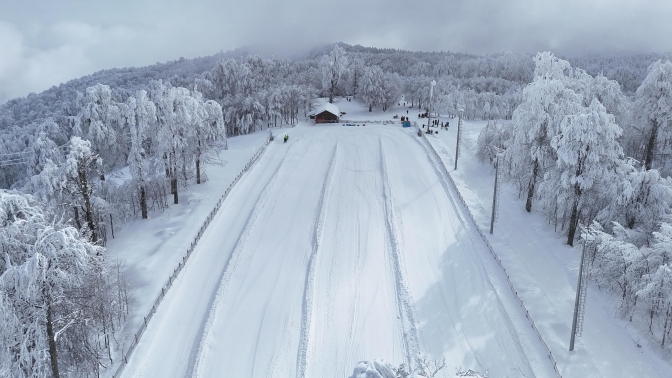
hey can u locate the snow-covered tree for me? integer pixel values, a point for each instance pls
(486, 111)
(140, 123)
(587, 153)
(546, 102)
(641, 201)
(372, 88)
(80, 163)
(355, 71)
(493, 139)
(391, 90)
(51, 310)
(333, 68)
(101, 121)
(654, 111)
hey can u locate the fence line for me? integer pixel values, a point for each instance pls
(492, 251)
(134, 342)
(379, 122)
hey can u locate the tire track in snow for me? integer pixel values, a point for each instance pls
(231, 266)
(317, 232)
(404, 297)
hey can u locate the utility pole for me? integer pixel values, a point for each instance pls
(581, 291)
(495, 200)
(459, 133)
(429, 106)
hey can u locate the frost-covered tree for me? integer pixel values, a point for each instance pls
(639, 274)
(656, 292)
(216, 129)
(52, 311)
(101, 121)
(372, 89)
(486, 111)
(42, 151)
(493, 139)
(140, 123)
(546, 102)
(80, 163)
(333, 68)
(642, 200)
(391, 90)
(355, 71)
(587, 153)
(207, 122)
(654, 111)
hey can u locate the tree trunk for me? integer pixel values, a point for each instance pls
(143, 202)
(198, 171)
(665, 330)
(574, 219)
(167, 164)
(198, 163)
(173, 187)
(532, 184)
(77, 222)
(650, 146)
(572, 224)
(52, 344)
(88, 208)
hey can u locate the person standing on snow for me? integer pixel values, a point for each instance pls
(286, 137)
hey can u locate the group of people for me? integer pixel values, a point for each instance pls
(438, 123)
(430, 131)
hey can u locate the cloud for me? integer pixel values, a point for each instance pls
(44, 43)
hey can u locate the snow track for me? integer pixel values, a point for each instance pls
(260, 303)
(310, 276)
(180, 318)
(356, 310)
(232, 262)
(404, 298)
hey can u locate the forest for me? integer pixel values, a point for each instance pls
(585, 140)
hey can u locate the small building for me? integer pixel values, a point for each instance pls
(326, 113)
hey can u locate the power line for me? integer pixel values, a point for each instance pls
(9, 165)
(15, 153)
(13, 160)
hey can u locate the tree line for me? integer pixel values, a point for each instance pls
(582, 152)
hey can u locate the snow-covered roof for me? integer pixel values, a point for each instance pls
(331, 108)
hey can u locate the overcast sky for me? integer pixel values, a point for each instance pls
(47, 42)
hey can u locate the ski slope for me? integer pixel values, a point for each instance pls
(343, 244)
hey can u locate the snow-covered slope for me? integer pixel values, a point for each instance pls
(342, 244)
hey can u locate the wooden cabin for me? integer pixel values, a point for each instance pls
(326, 113)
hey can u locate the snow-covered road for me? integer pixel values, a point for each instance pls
(344, 244)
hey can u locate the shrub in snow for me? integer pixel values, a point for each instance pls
(427, 367)
(640, 275)
(374, 369)
(493, 138)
